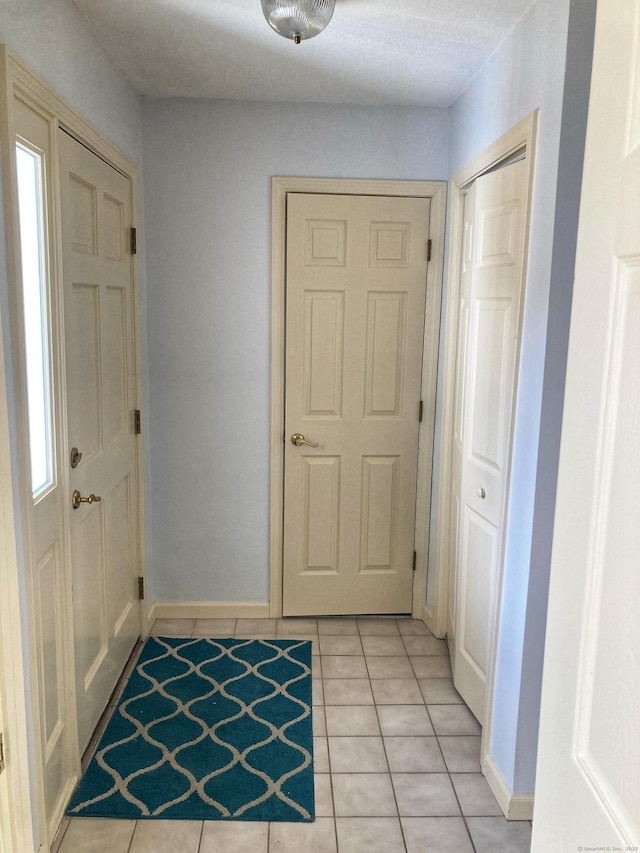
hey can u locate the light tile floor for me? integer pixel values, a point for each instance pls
(396, 755)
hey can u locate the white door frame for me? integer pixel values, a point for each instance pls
(17, 80)
(521, 138)
(436, 191)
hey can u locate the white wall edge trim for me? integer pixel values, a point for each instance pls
(436, 191)
(514, 806)
(210, 610)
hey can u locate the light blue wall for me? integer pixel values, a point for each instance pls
(527, 72)
(208, 167)
(53, 39)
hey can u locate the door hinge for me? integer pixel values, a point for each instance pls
(140, 589)
(428, 250)
(415, 558)
(137, 426)
(134, 241)
(420, 411)
(1, 753)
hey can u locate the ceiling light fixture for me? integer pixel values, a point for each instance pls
(298, 19)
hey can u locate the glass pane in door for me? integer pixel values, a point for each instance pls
(36, 315)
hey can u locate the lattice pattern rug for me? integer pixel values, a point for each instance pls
(208, 730)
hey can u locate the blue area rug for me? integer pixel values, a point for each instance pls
(208, 730)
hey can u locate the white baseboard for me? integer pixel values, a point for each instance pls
(428, 617)
(211, 610)
(514, 806)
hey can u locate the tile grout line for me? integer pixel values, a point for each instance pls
(455, 792)
(386, 755)
(330, 772)
(133, 834)
(466, 826)
(462, 814)
(201, 834)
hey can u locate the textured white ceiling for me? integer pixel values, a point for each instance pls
(405, 52)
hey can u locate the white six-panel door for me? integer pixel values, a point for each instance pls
(356, 283)
(588, 778)
(491, 291)
(100, 361)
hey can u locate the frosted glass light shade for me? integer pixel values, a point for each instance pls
(298, 19)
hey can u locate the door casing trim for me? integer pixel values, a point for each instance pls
(436, 191)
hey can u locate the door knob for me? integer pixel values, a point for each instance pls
(481, 493)
(77, 499)
(298, 439)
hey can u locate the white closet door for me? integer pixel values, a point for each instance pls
(492, 284)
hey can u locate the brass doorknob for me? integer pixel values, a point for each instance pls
(298, 439)
(77, 499)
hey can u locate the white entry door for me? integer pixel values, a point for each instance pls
(101, 394)
(490, 296)
(356, 284)
(588, 782)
